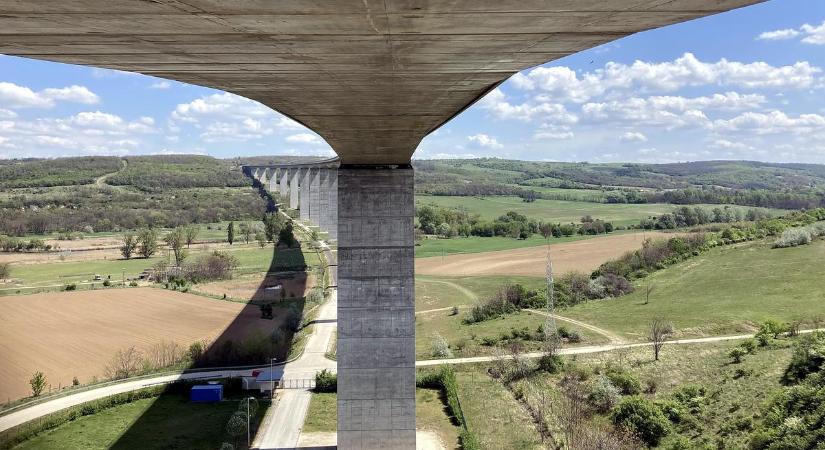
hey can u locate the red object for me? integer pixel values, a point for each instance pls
(256, 372)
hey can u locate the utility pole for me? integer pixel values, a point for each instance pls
(550, 330)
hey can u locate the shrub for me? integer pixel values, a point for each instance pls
(551, 363)
(641, 417)
(107, 283)
(736, 354)
(626, 382)
(439, 347)
(326, 381)
(602, 394)
(70, 287)
(808, 358)
(749, 345)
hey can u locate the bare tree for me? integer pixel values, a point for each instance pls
(164, 354)
(649, 287)
(191, 232)
(124, 364)
(660, 329)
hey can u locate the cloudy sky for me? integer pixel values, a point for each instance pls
(748, 84)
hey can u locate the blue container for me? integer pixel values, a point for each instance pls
(206, 393)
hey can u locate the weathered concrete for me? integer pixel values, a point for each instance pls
(294, 181)
(273, 182)
(283, 188)
(332, 209)
(304, 197)
(314, 196)
(372, 77)
(323, 199)
(376, 308)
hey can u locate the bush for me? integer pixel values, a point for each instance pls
(439, 347)
(326, 381)
(808, 358)
(641, 417)
(107, 283)
(626, 382)
(749, 345)
(602, 394)
(70, 287)
(736, 354)
(551, 363)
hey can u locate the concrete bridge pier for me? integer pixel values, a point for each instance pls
(376, 308)
(273, 181)
(303, 199)
(294, 180)
(314, 196)
(331, 190)
(264, 178)
(283, 187)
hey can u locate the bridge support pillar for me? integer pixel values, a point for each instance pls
(304, 197)
(332, 209)
(376, 308)
(314, 196)
(283, 186)
(323, 199)
(294, 180)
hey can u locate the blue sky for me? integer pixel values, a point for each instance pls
(747, 84)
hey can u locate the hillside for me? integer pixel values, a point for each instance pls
(744, 183)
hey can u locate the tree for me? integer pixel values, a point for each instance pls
(287, 236)
(261, 238)
(175, 240)
(124, 364)
(236, 427)
(5, 271)
(191, 232)
(246, 232)
(249, 404)
(659, 332)
(130, 244)
(272, 225)
(649, 287)
(147, 242)
(641, 417)
(38, 383)
(230, 233)
(546, 229)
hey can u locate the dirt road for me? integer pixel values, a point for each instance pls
(583, 256)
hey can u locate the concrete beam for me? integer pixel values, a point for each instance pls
(372, 77)
(376, 308)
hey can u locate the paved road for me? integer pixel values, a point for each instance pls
(24, 415)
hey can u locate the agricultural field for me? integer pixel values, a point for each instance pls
(77, 334)
(557, 211)
(151, 423)
(432, 247)
(579, 255)
(726, 290)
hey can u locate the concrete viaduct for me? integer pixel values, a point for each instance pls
(372, 77)
(311, 188)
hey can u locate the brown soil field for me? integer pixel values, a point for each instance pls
(582, 256)
(70, 334)
(253, 287)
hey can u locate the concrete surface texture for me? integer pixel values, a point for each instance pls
(376, 308)
(314, 196)
(303, 198)
(283, 182)
(372, 77)
(294, 191)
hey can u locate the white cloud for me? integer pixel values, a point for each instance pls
(811, 34)
(304, 138)
(564, 84)
(814, 34)
(554, 135)
(633, 136)
(640, 112)
(729, 145)
(773, 122)
(484, 140)
(7, 114)
(497, 103)
(161, 85)
(778, 35)
(15, 96)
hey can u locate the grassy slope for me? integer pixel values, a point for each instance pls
(725, 290)
(554, 210)
(165, 422)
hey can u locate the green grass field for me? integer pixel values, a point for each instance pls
(164, 422)
(561, 211)
(726, 290)
(251, 259)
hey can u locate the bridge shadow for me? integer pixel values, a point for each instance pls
(264, 328)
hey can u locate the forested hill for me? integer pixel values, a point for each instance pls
(737, 182)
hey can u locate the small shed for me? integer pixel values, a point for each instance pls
(206, 393)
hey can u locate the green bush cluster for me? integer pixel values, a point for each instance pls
(509, 299)
(326, 381)
(445, 380)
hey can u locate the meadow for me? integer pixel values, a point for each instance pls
(560, 211)
(726, 290)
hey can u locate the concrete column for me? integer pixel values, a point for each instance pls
(283, 189)
(323, 199)
(273, 181)
(304, 197)
(332, 190)
(314, 196)
(256, 175)
(294, 180)
(263, 178)
(376, 308)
